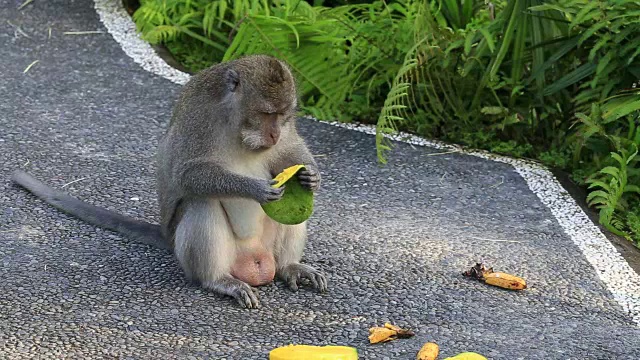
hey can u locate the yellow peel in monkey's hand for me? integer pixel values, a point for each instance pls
(308, 352)
(467, 356)
(286, 174)
(296, 204)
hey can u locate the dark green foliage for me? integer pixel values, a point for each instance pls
(551, 80)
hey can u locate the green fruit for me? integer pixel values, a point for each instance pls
(467, 356)
(296, 204)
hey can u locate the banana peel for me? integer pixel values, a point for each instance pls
(286, 174)
(429, 351)
(389, 332)
(506, 281)
(381, 334)
(500, 279)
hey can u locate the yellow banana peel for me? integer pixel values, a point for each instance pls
(505, 281)
(388, 332)
(429, 351)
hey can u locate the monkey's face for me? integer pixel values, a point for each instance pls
(267, 98)
(263, 129)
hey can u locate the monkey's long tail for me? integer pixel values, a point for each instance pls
(141, 231)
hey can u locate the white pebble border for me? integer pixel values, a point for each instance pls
(620, 279)
(119, 24)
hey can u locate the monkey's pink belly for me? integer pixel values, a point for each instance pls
(255, 268)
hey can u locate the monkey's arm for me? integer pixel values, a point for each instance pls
(205, 177)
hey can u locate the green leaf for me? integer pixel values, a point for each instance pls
(507, 37)
(584, 14)
(618, 158)
(468, 42)
(519, 44)
(494, 110)
(597, 194)
(632, 188)
(544, 7)
(489, 39)
(538, 52)
(569, 44)
(617, 109)
(635, 54)
(201, 38)
(604, 40)
(613, 171)
(591, 30)
(598, 201)
(573, 77)
(598, 183)
(633, 154)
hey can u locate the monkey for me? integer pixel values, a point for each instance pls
(232, 130)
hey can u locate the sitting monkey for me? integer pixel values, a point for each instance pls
(232, 130)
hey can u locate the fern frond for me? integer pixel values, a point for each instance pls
(162, 33)
(395, 102)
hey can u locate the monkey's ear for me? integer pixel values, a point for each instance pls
(277, 73)
(232, 79)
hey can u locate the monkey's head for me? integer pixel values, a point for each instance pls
(265, 91)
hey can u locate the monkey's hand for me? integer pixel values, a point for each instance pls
(293, 273)
(310, 177)
(266, 193)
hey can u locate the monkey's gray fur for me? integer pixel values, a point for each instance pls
(232, 130)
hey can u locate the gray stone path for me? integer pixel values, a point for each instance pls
(393, 240)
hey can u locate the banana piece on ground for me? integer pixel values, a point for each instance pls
(429, 351)
(381, 334)
(503, 280)
(506, 281)
(387, 333)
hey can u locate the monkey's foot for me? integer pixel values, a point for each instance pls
(244, 294)
(293, 273)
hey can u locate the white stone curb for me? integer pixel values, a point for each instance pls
(611, 267)
(119, 24)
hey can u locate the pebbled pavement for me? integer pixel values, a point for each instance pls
(393, 240)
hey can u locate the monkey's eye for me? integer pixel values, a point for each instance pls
(271, 116)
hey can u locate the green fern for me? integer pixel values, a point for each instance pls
(612, 182)
(392, 111)
(162, 34)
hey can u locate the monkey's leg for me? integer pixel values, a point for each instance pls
(291, 241)
(205, 248)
